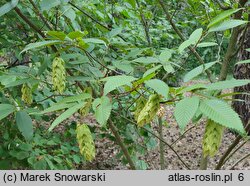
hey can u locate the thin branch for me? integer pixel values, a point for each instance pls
(40, 15)
(89, 16)
(144, 23)
(223, 7)
(121, 144)
(159, 138)
(241, 145)
(240, 160)
(230, 148)
(178, 32)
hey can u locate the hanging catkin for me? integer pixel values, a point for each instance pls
(26, 94)
(140, 103)
(149, 111)
(85, 109)
(85, 141)
(212, 138)
(58, 75)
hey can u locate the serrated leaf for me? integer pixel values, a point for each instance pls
(222, 16)
(102, 108)
(24, 124)
(48, 4)
(79, 97)
(222, 113)
(66, 115)
(191, 88)
(8, 7)
(158, 86)
(77, 34)
(56, 107)
(146, 60)
(184, 45)
(185, 111)
(227, 84)
(207, 44)
(40, 44)
(165, 55)
(21, 81)
(5, 110)
(196, 35)
(151, 70)
(243, 62)
(227, 25)
(193, 39)
(95, 41)
(114, 82)
(57, 34)
(197, 71)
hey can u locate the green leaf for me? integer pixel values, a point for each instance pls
(57, 34)
(66, 115)
(95, 41)
(79, 78)
(114, 82)
(191, 88)
(227, 25)
(48, 4)
(5, 110)
(151, 70)
(79, 97)
(114, 32)
(243, 62)
(158, 86)
(207, 44)
(184, 45)
(196, 35)
(146, 60)
(193, 39)
(198, 70)
(8, 7)
(76, 34)
(20, 82)
(222, 16)
(165, 55)
(56, 107)
(40, 44)
(132, 3)
(168, 68)
(102, 108)
(227, 84)
(24, 124)
(185, 111)
(222, 113)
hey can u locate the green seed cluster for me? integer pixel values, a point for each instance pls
(85, 141)
(149, 111)
(85, 109)
(140, 103)
(212, 138)
(58, 75)
(26, 94)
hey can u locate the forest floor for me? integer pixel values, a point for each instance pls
(188, 147)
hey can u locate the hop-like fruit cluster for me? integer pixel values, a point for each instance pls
(212, 138)
(149, 111)
(85, 141)
(58, 75)
(85, 109)
(161, 112)
(26, 94)
(140, 103)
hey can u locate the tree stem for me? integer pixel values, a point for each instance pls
(162, 159)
